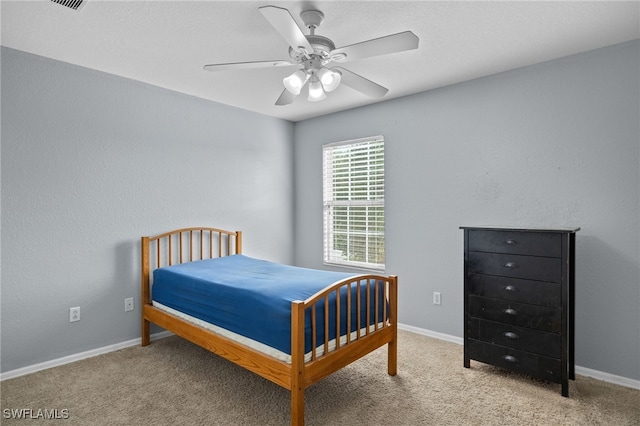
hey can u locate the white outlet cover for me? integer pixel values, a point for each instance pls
(128, 304)
(74, 314)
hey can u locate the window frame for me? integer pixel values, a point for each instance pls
(366, 209)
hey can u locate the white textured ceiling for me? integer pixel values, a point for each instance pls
(166, 43)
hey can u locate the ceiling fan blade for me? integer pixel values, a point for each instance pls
(285, 98)
(246, 65)
(284, 23)
(379, 46)
(361, 84)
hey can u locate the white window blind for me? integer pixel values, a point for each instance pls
(353, 200)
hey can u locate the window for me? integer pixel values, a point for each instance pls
(353, 200)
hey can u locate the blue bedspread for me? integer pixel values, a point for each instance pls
(251, 297)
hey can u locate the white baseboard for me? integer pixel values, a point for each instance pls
(599, 375)
(77, 357)
(583, 371)
(434, 334)
(607, 377)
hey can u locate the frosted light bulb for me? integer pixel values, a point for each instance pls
(295, 81)
(316, 93)
(329, 79)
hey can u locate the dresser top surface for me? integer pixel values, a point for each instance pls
(523, 229)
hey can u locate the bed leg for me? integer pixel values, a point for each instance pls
(146, 332)
(392, 358)
(392, 349)
(297, 407)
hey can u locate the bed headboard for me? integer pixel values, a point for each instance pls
(185, 245)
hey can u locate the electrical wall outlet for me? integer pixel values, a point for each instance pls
(436, 298)
(128, 304)
(74, 314)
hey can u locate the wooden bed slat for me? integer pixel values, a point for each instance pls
(358, 307)
(326, 324)
(384, 305)
(314, 339)
(170, 251)
(297, 375)
(375, 290)
(368, 323)
(338, 313)
(349, 313)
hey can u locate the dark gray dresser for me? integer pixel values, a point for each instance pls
(519, 301)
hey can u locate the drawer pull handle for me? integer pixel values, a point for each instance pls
(510, 311)
(510, 335)
(510, 288)
(510, 265)
(511, 242)
(510, 358)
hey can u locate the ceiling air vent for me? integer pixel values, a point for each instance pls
(73, 4)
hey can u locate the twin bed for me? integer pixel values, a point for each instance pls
(293, 326)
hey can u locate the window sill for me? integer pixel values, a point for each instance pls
(356, 267)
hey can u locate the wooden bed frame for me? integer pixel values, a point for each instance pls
(189, 244)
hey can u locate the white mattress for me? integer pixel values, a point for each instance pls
(260, 347)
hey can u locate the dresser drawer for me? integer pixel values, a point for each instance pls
(526, 339)
(542, 367)
(514, 289)
(516, 266)
(513, 242)
(523, 314)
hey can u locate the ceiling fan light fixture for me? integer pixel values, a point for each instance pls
(313, 54)
(316, 92)
(295, 81)
(330, 79)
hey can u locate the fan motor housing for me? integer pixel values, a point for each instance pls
(322, 46)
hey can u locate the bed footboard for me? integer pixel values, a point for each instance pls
(377, 296)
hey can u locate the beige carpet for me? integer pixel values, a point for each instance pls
(173, 382)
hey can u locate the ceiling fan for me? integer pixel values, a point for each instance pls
(313, 54)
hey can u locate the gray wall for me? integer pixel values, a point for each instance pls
(556, 144)
(91, 162)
